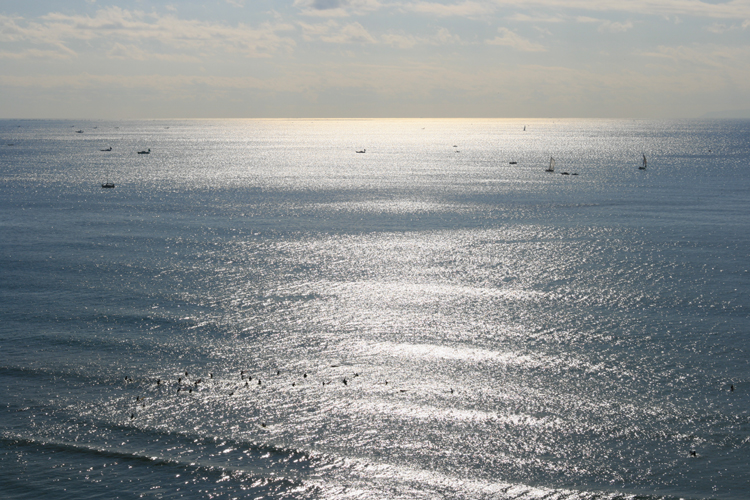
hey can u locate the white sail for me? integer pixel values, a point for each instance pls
(551, 165)
(643, 167)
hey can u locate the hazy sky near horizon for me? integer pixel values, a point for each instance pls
(373, 58)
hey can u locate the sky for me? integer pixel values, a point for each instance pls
(120, 59)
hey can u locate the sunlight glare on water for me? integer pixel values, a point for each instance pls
(259, 310)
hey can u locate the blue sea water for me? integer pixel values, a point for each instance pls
(258, 311)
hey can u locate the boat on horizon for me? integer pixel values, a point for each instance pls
(551, 167)
(108, 149)
(145, 152)
(643, 167)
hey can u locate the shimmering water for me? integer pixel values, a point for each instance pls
(258, 311)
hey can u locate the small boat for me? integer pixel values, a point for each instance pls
(79, 131)
(551, 167)
(108, 149)
(643, 167)
(108, 185)
(524, 128)
(362, 151)
(145, 152)
(513, 163)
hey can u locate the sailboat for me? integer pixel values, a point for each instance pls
(643, 167)
(551, 167)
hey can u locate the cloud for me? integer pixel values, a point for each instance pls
(112, 26)
(738, 9)
(730, 59)
(351, 33)
(614, 27)
(467, 8)
(605, 25)
(401, 41)
(336, 8)
(526, 18)
(510, 39)
(38, 54)
(443, 36)
(333, 32)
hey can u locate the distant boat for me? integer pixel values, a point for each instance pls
(551, 167)
(513, 163)
(79, 131)
(108, 185)
(145, 152)
(108, 149)
(643, 167)
(362, 151)
(524, 128)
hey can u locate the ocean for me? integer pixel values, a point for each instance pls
(258, 310)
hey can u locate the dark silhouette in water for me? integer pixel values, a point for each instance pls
(731, 388)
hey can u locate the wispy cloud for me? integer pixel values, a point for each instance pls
(112, 26)
(443, 36)
(729, 59)
(466, 8)
(510, 39)
(615, 27)
(334, 32)
(738, 9)
(520, 17)
(336, 8)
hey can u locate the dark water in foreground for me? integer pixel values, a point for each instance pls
(258, 311)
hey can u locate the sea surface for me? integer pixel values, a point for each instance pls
(257, 310)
